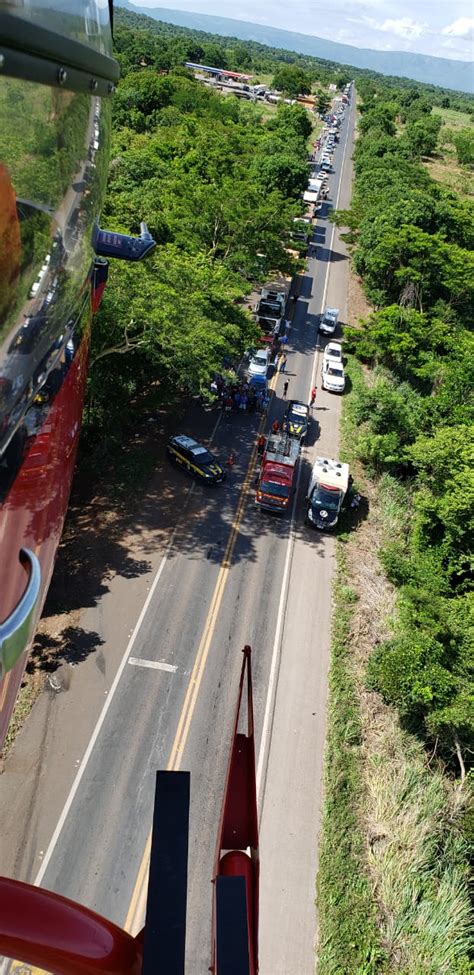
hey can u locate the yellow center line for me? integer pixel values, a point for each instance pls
(136, 911)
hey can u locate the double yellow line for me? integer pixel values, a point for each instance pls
(136, 911)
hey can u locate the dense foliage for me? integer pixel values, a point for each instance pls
(219, 188)
(413, 249)
(291, 80)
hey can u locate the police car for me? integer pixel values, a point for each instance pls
(296, 419)
(195, 458)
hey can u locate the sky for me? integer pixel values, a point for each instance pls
(426, 26)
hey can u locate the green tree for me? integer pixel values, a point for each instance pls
(282, 172)
(381, 118)
(194, 52)
(292, 121)
(422, 135)
(241, 58)
(404, 340)
(215, 56)
(445, 502)
(390, 415)
(291, 80)
(464, 143)
(139, 96)
(323, 102)
(417, 109)
(342, 79)
(176, 312)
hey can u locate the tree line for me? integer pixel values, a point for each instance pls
(412, 247)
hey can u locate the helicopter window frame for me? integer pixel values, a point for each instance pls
(31, 52)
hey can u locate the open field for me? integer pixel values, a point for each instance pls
(455, 120)
(444, 166)
(445, 169)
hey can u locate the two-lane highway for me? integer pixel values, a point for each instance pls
(231, 575)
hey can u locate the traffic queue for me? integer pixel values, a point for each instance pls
(278, 453)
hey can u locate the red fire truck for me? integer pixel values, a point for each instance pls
(277, 472)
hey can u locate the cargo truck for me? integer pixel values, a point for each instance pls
(271, 305)
(276, 290)
(269, 314)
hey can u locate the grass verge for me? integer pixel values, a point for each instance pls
(349, 940)
(30, 691)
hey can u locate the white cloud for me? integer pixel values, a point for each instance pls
(450, 47)
(403, 27)
(462, 27)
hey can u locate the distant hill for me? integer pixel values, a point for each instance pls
(458, 75)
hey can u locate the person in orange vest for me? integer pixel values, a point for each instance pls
(275, 426)
(261, 444)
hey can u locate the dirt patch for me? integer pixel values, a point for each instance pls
(357, 305)
(376, 595)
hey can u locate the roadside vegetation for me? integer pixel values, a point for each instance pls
(219, 187)
(349, 939)
(392, 882)
(398, 818)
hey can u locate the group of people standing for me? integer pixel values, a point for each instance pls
(240, 396)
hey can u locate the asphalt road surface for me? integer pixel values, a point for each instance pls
(223, 575)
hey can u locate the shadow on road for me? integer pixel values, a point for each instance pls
(306, 286)
(327, 256)
(71, 647)
(314, 432)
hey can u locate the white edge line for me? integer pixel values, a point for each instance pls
(96, 732)
(262, 755)
(152, 664)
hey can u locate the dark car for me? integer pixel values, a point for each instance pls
(296, 419)
(28, 335)
(195, 458)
